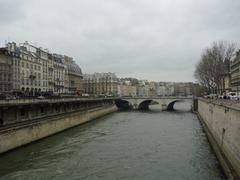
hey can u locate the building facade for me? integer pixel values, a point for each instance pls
(165, 89)
(99, 84)
(73, 76)
(182, 89)
(30, 70)
(6, 71)
(235, 72)
(127, 90)
(59, 70)
(34, 71)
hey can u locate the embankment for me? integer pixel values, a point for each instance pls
(23, 134)
(222, 124)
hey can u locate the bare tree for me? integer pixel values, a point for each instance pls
(214, 64)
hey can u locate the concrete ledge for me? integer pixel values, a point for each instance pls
(17, 137)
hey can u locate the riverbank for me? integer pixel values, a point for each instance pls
(12, 138)
(221, 123)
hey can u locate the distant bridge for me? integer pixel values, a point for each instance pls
(166, 103)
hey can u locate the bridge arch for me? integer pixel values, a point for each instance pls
(170, 106)
(123, 104)
(144, 105)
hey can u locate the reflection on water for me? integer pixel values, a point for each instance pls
(125, 145)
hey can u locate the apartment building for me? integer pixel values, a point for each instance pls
(235, 72)
(33, 70)
(101, 83)
(6, 71)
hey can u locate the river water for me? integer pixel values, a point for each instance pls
(124, 145)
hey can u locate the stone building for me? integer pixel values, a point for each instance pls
(15, 56)
(73, 76)
(143, 90)
(153, 89)
(34, 71)
(30, 69)
(59, 70)
(101, 84)
(165, 89)
(182, 89)
(235, 72)
(50, 76)
(43, 58)
(6, 71)
(127, 90)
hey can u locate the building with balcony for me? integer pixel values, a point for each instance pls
(101, 84)
(6, 71)
(165, 89)
(127, 89)
(34, 71)
(59, 70)
(30, 69)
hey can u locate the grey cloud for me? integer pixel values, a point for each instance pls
(150, 39)
(10, 11)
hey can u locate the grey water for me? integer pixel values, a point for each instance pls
(130, 145)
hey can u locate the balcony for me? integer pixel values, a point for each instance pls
(50, 68)
(51, 83)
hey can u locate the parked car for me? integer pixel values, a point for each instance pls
(212, 96)
(7, 97)
(231, 95)
(40, 97)
(85, 95)
(102, 95)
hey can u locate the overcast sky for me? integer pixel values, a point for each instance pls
(157, 40)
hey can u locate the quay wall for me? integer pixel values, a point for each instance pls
(21, 135)
(222, 125)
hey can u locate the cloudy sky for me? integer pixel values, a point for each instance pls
(157, 40)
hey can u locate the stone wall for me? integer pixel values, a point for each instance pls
(222, 124)
(18, 136)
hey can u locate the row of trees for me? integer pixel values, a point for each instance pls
(214, 64)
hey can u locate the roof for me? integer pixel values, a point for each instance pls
(74, 68)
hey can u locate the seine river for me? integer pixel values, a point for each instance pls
(124, 145)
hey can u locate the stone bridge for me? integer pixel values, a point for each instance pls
(166, 103)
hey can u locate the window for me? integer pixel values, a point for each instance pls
(22, 112)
